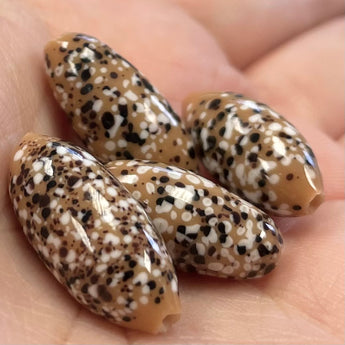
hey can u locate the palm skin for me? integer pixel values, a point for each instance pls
(289, 54)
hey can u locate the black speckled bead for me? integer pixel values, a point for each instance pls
(114, 109)
(255, 152)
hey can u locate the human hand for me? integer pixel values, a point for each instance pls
(289, 55)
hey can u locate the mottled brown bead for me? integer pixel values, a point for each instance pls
(114, 109)
(207, 229)
(255, 153)
(92, 235)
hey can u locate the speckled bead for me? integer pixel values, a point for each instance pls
(255, 152)
(206, 228)
(114, 109)
(92, 235)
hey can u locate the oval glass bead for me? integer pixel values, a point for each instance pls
(255, 152)
(92, 235)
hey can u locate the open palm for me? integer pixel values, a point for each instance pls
(289, 54)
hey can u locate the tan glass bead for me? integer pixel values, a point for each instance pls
(206, 229)
(92, 235)
(255, 152)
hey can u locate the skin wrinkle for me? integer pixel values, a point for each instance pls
(39, 331)
(241, 83)
(310, 315)
(308, 103)
(69, 330)
(53, 338)
(135, 338)
(312, 14)
(169, 76)
(293, 38)
(341, 140)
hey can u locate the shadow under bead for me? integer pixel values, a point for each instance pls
(206, 229)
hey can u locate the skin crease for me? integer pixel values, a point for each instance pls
(302, 78)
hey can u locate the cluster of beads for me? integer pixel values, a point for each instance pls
(114, 220)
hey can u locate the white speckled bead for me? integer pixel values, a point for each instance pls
(206, 228)
(114, 109)
(92, 235)
(255, 152)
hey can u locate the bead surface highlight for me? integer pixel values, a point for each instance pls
(114, 109)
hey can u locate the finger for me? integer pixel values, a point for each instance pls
(25, 103)
(305, 79)
(32, 301)
(305, 294)
(249, 29)
(87, 328)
